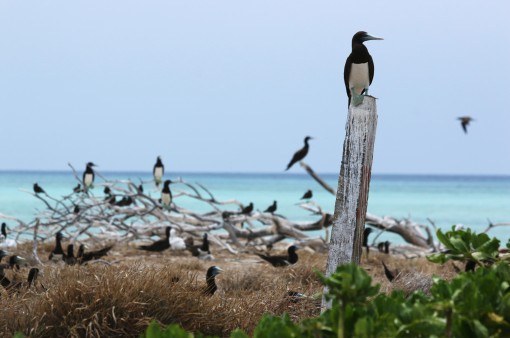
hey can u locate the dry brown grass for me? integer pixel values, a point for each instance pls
(119, 300)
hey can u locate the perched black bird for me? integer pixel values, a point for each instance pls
(125, 201)
(359, 69)
(160, 245)
(158, 171)
(69, 259)
(248, 209)
(77, 188)
(278, 261)
(84, 257)
(366, 232)
(107, 191)
(384, 247)
(89, 175)
(32, 276)
(196, 250)
(3, 254)
(14, 286)
(76, 209)
(15, 261)
(139, 189)
(58, 251)
(38, 189)
(210, 276)
(389, 275)
(166, 194)
(307, 195)
(271, 208)
(464, 122)
(300, 154)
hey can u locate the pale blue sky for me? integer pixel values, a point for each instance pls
(235, 85)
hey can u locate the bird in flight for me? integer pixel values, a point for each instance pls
(464, 122)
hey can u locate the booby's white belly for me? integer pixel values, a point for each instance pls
(88, 179)
(166, 199)
(158, 173)
(359, 78)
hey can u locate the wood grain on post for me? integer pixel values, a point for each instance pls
(353, 186)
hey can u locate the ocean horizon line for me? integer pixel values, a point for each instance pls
(245, 173)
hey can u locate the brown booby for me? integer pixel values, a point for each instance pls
(300, 154)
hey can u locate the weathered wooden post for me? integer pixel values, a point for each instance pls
(353, 186)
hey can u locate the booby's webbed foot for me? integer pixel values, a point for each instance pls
(357, 100)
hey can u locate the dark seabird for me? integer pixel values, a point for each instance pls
(366, 232)
(76, 209)
(38, 189)
(197, 250)
(6, 242)
(158, 171)
(470, 266)
(248, 209)
(160, 245)
(3, 254)
(139, 189)
(91, 255)
(107, 191)
(272, 208)
(464, 122)
(384, 247)
(58, 251)
(15, 261)
(88, 175)
(389, 275)
(307, 195)
(166, 194)
(211, 287)
(359, 69)
(278, 261)
(69, 258)
(300, 154)
(32, 276)
(77, 188)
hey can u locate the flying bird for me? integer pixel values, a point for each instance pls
(359, 69)
(272, 208)
(158, 171)
(89, 175)
(279, 261)
(300, 154)
(464, 122)
(307, 195)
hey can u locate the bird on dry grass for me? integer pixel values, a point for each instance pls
(84, 257)
(14, 286)
(69, 259)
(366, 233)
(57, 253)
(160, 245)
(285, 260)
(389, 275)
(300, 154)
(464, 122)
(210, 279)
(195, 249)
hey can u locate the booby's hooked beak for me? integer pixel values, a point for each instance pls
(370, 37)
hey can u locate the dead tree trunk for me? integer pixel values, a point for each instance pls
(353, 186)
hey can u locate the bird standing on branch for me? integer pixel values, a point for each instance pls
(300, 154)
(166, 194)
(272, 208)
(464, 122)
(38, 189)
(307, 195)
(89, 175)
(359, 69)
(158, 171)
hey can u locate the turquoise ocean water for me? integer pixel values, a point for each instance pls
(447, 200)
